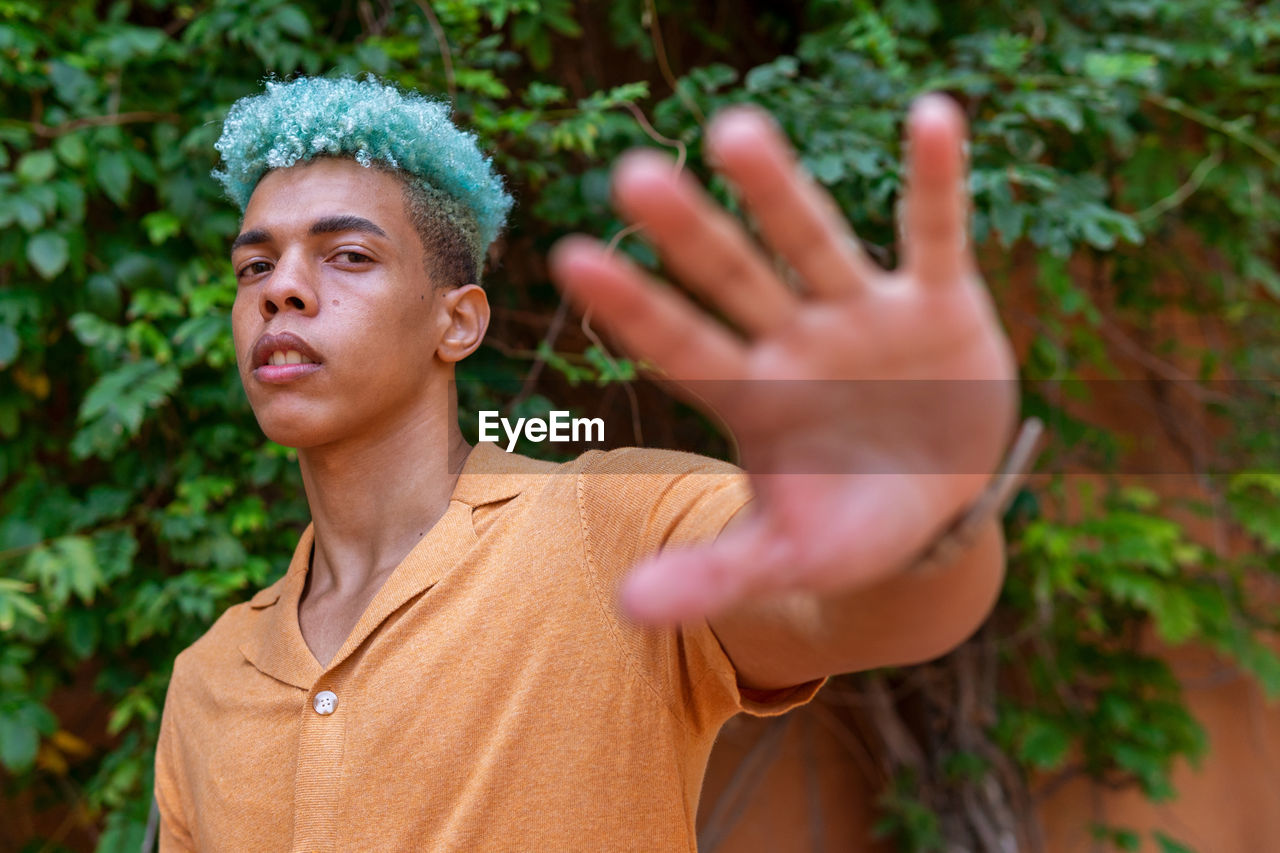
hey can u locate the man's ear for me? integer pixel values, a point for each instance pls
(467, 309)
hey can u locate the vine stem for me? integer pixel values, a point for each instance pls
(1226, 128)
(539, 362)
(636, 431)
(446, 55)
(681, 150)
(50, 131)
(660, 53)
(1182, 193)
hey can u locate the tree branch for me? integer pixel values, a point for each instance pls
(50, 131)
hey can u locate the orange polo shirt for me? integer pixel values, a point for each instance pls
(491, 697)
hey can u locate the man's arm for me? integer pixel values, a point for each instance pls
(175, 836)
(909, 618)
(871, 406)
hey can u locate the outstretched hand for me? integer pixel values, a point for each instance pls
(870, 406)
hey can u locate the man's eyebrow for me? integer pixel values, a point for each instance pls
(332, 224)
(326, 225)
(251, 238)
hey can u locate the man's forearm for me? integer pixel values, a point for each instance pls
(912, 617)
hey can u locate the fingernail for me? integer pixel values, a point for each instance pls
(643, 161)
(560, 258)
(933, 107)
(740, 125)
(643, 170)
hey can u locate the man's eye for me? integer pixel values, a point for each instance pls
(356, 258)
(255, 268)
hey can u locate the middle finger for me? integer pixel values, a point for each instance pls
(705, 248)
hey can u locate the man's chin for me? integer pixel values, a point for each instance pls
(298, 433)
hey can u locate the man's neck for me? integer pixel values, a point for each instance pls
(372, 499)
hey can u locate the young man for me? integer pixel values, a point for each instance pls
(477, 651)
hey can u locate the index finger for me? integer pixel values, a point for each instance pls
(936, 243)
(797, 218)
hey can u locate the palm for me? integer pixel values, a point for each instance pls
(870, 406)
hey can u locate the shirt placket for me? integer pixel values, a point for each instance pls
(317, 786)
(332, 699)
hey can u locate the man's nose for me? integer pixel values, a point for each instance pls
(290, 286)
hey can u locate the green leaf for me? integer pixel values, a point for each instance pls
(71, 149)
(1044, 743)
(48, 254)
(1120, 838)
(1175, 616)
(73, 85)
(66, 567)
(160, 225)
(1169, 845)
(481, 81)
(1111, 68)
(83, 573)
(115, 406)
(103, 294)
(15, 601)
(81, 633)
(154, 304)
(772, 75)
(19, 741)
(93, 331)
(115, 551)
(293, 21)
(1049, 106)
(1007, 52)
(71, 200)
(20, 728)
(28, 214)
(1260, 660)
(618, 95)
(112, 172)
(36, 167)
(826, 168)
(123, 834)
(544, 94)
(609, 369)
(571, 372)
(10, 345)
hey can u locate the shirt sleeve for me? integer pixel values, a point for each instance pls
(175, 834)
(635, 503)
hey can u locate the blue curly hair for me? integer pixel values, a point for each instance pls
(377, 125)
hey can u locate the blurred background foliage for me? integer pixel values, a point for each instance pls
(1124, 162)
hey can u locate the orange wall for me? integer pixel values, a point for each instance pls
(1230, 804)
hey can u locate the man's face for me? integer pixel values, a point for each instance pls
(335, 320)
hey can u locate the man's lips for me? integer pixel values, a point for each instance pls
(283, 357)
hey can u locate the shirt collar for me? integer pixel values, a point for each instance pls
(276, 646)
(491, 474)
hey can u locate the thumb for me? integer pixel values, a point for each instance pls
(693, 583)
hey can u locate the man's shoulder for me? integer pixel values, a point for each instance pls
(638, 500)
(632, 498)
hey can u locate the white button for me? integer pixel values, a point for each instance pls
(326, 702)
